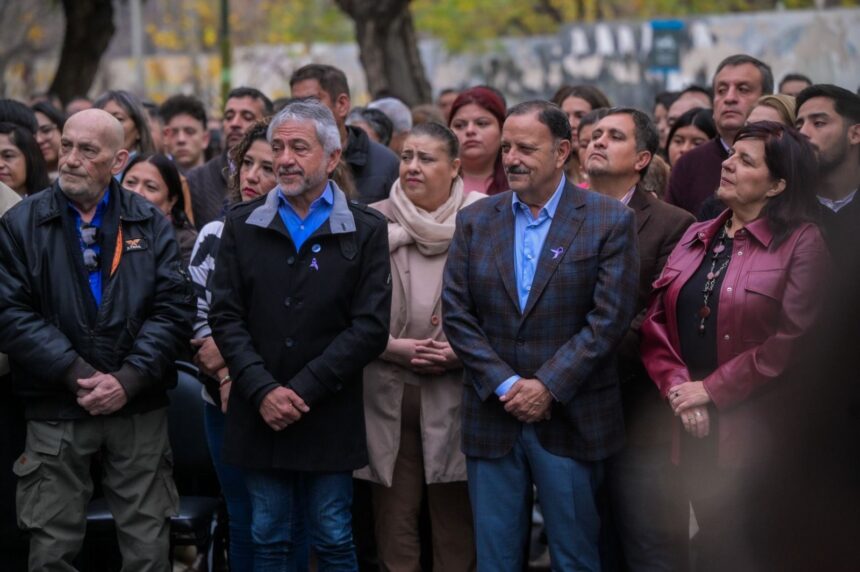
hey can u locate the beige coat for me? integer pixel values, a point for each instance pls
(416, 293)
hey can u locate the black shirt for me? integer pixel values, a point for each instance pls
(699, 350)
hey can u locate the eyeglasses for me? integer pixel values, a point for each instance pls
(89, 236)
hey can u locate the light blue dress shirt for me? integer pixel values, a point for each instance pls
(529, 236)
(301, 229)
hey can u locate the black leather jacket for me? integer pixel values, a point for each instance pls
(49, 322)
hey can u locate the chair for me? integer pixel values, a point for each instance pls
(199, 493)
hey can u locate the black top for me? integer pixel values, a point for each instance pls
(699, 350)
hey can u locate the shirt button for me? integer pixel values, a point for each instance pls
(701, 236)
(740, 252)
(289, 342)
(291, 260)
(727, 337)
(302, 227)
(729, 289)
(434, 319)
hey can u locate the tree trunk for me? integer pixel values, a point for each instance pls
(89, 29)
(388, 48)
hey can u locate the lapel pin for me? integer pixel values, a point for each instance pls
(316, 248)
(314, 264)
(556, 252)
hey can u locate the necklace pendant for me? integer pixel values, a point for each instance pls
(711, 275)
(704, 312)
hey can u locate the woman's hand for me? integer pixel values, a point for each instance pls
(437, 354)
(208, 358)
(688, 394)
(403, 351)
(697, 421)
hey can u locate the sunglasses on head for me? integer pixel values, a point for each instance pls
(89, 236)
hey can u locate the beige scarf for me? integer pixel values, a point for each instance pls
(430, 232)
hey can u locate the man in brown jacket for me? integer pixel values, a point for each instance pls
(648, 513)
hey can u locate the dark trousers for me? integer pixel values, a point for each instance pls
(649, 510)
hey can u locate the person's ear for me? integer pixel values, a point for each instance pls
(119, 161)
(778, 187)
(854, 134)
(562, 152)
(643, 159)
(333, 160)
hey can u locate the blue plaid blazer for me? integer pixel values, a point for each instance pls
(579, 308)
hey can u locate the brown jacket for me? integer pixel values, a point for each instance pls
(659, 227)
(415, 279)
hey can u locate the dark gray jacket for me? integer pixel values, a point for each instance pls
(374, 167)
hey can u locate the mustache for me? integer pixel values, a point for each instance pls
(517, 170)
(284, 172)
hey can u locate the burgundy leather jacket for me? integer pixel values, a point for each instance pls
(768, 299)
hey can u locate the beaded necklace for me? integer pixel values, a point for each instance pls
(713, 274)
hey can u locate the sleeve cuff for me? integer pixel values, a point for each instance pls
(131, 380)
(506, 385)
(79, 369)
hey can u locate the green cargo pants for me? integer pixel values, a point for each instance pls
(55, 486)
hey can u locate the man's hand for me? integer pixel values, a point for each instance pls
(208, 358)
(224, 388)
(528, 400)
(436, 355)
(101, 394)
(282, 407)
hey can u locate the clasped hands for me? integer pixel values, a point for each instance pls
(101, 394)
(689, 401)
(424, 357)
(282, 407)
(528, 400)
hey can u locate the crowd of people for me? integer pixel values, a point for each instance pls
(422, 333)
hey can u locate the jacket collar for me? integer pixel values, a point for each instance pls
(52, 202)
(759, 229)
(340, 220)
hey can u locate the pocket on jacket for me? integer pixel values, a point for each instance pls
(763, 290)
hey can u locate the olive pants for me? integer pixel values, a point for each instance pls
(55, 486)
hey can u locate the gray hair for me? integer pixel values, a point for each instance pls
(310, 110)
(397, 111)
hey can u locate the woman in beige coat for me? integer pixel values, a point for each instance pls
(412, 392)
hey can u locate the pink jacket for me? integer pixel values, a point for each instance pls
(768, 299)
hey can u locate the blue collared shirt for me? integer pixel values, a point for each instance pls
(529, 236)
(95, 276)
(301, 229)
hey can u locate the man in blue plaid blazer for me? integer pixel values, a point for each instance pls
(540, 286)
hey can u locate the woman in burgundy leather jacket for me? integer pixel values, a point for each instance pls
(727, 315)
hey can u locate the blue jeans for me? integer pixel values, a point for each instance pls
(278, 498)
(232, 481)
(501, 494)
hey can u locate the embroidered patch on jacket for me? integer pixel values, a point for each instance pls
(133, 244)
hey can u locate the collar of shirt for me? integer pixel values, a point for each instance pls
(94, 277)
(327, 197)
(300, 229)
(626, 198)
(726, 147)
(547, 210)
(838, 204)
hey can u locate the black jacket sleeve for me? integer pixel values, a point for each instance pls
(25, 335)
(167, 327)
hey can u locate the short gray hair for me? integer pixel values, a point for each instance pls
(310, 110)
(397, 111)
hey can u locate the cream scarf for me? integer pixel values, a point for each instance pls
(430, 232)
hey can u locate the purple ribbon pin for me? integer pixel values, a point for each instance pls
(556, 252)
(314, 264)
